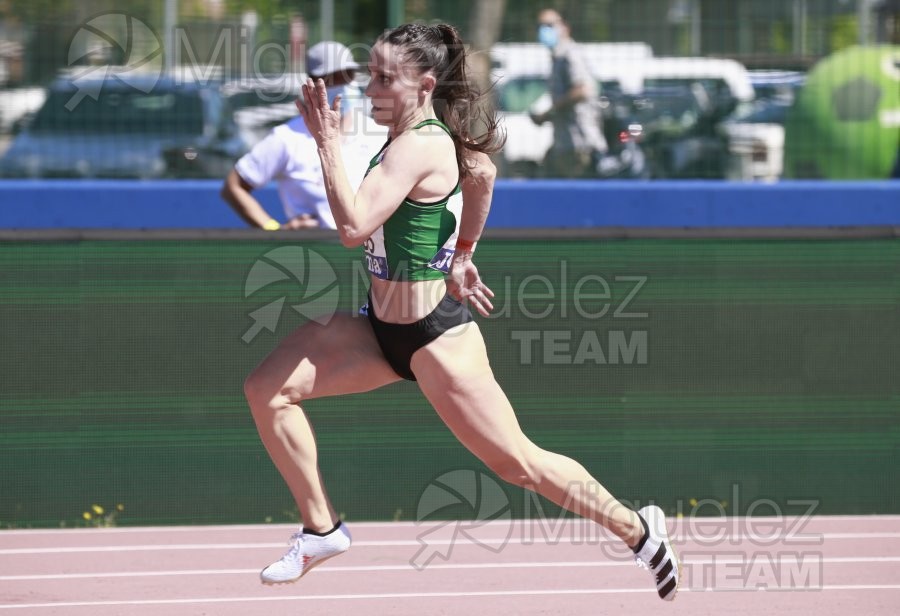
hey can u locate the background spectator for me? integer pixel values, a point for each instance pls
(578, 140)
(289, 155)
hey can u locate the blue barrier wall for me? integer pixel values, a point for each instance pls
(31, 204)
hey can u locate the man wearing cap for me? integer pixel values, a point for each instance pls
(289, 156)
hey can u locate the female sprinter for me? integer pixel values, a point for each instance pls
(406, 215)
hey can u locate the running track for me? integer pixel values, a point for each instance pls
(761, 566)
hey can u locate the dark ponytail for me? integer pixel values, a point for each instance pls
(457, 103)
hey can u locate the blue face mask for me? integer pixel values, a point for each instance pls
(548, 36)
(350, 97)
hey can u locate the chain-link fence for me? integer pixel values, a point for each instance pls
(751, 89)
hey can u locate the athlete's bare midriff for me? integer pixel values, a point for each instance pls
(405, 301)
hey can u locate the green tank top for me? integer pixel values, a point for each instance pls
(417, 242)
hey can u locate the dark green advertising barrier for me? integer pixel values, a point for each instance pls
(754, 376)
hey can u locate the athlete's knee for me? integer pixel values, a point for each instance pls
(258, 391)
(523, 468)
(265, 390)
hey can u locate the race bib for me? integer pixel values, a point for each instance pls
(376, 256)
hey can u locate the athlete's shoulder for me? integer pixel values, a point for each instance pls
(424, 141)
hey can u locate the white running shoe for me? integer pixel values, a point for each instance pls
(307, 551)
(657, 554)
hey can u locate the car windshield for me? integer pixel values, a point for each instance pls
(713, 95)
(122, 111)
(665, 102)
(761, 112)
(519, 94)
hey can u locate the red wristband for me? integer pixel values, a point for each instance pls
(464, 245)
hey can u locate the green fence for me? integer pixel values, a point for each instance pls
(733, 370)
(743, 90)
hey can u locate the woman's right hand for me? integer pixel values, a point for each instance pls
(322, 121)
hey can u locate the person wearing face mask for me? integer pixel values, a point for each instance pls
(288, 155)
(578, 140)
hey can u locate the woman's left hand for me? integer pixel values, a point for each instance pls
(464, 283)
(322, 121)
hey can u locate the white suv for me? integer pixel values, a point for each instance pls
(520, 73)
(755, 131)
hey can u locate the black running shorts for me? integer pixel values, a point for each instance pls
(398, 341)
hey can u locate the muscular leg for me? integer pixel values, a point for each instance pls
(312, 362)
(454, 374)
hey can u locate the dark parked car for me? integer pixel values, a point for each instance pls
(111, 129)
(253, 107)
(679, 136)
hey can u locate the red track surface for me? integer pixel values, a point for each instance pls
(821, 565)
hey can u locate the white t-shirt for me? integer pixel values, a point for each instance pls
(289, 156)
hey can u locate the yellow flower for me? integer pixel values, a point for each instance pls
(97, 509)
(87, 515)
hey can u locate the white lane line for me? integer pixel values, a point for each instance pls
(762, 520)
(769, 540)
(439, 567)
(423, 595)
